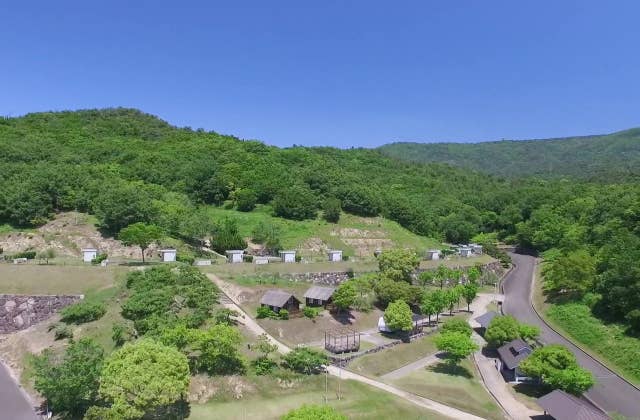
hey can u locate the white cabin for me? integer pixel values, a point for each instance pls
(335, 255)
(433, 254)
(477, 249)
(234, 256)
(89, 254)
(168, 255)
(288, 256)
(465, 251)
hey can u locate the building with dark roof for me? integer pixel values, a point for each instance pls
(562, 406)
(510, 356)
(319, 295)
(279, 299)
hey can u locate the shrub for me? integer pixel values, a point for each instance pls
(120, 334)
(61, 331)
(185, 258)
(263, 365)
(247, 258)
(25, 254)
(99, 258)
(283, 314)
(315, 412)
(457, 325)
(310, 312)
(331, 210)
(502, 329)
(298, 258)
(295, 203)
(265, 312)
(305, 360)
(246, 199)
(82, 312)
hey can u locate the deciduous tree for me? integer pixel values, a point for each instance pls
(140, 234)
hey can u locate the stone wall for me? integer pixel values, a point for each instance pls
(328, 278)
(18, 312)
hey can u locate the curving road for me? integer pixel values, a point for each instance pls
(13, 403)
(611, 392)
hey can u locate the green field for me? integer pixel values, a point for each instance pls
(270, 400)
(53, 279)
(460, 387)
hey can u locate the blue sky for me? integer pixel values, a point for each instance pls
(342, 73)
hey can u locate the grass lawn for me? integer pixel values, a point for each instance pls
(382, 362)
(52, 279)
(227, 271)
(606, 342)
(271, 400)
(459, 387)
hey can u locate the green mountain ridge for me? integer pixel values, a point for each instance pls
(614, 157)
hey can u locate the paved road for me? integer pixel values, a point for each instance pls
(13, 403)
(610, 392)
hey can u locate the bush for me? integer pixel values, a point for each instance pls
(185, 258)
(25, 254)
(263, 365)
(61, 331)
(121, 333)
(99, 258)
(311, 312)
(295, 203)
(305, 360)
(314, 412)
(82, 312)
(283, 314)
(265, 312)
(246, 199)
(502, 329)
(331, 210)
(298, 258)
(457, 325)
(247, 258)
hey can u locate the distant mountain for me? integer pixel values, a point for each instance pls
(614, 156)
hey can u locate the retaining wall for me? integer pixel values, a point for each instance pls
(18, 312)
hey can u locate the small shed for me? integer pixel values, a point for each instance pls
(89, 254)
(563, 406)
(288, 256)
(168, 255)
(279, 299)
(465, 251)
(335, 255)
(319, 295)
(476, 249)
(433, 254)
(510, 355)
(234, 256)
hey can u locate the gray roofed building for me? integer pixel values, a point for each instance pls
(485, 319)
(277, 298)
(562, 406)
(320, 292)
(513, 353)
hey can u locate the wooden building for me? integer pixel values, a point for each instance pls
(279, 299)
(319, 295)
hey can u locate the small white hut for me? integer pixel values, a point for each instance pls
(335, 255)
(168, 255)
(234, 256)
(288, 256)
(433, 254)
(465, 251)
(89, 254)
(477, 249)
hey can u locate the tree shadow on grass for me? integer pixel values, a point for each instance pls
(451, 370)
(343, 317)
(531, 390)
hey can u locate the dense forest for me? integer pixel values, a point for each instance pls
(595, 158)
(125, 166)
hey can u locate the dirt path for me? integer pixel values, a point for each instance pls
(253, 326)
(492, 379)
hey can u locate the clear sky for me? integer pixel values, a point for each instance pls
(342, 73)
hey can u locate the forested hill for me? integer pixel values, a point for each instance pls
(124, 166)
(612, 157)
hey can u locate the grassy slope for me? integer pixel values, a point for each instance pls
(295, 233)
(271, 402)
(611, 156)
(606, 342)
